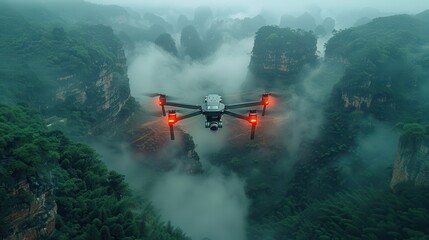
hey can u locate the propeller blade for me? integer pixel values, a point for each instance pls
(151, 94)
(169, 97)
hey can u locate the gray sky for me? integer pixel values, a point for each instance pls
(404, 6)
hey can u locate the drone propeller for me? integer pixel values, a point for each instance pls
(160, 94)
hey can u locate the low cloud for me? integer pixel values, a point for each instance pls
(153, 70)
(373, 156)
(210, 206)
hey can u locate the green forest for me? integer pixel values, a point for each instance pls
(384, 60)
(93, 202)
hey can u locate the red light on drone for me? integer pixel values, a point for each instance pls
(162, 100)
(265, 99)
(253, 119)
(172, 119)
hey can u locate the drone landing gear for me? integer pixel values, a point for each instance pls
(171, 132)
(252, 133)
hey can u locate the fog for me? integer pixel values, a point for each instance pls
(214, 205)
(155, 71)
(211, 205)
(373, 156)
(285, 6)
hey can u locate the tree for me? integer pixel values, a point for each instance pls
(93, 233)
(117, 231)
(105, 233)
(116, 185)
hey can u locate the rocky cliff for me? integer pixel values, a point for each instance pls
(35, 219)
(385, 68)
(77, 72)
(151, 139)
(279, 53)
(362, 101)
(411, 164)
(102, 91)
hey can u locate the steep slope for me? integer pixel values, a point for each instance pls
(387, 63)
(63, 69)
(47, 181)
(384, 82)
(411, 165)
(280, 53)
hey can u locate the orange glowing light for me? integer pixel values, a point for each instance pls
(266, 102)
(252, 120)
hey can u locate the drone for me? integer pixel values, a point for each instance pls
(213, 108)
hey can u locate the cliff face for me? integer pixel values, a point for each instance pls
(277, 61)
(362, 101)
(102, 94)
(151, 139)
(35, 220)
(279, 53)
(385, 69)
(411, 164)
(80, 73)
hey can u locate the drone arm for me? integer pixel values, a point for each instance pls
(172, 119)
(232, 114)
(243, 105)
(182, 105)
(252, 118)
(188, 115)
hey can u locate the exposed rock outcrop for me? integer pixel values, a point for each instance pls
(412, 163)
(366, 102)
(35, 220)
(103, 94)
(152, 138)
(279, 53)
(80, 73)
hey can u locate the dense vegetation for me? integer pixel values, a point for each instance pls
(93, 203)
(53, 66)
(362, 214)
(388, 61)
(32, 62)
(335, 191)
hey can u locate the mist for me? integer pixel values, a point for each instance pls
(285, 6)
(373, 157)
(210, 206)
(155, 71)
(202, 205)
(304, 109)
(346, 14)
